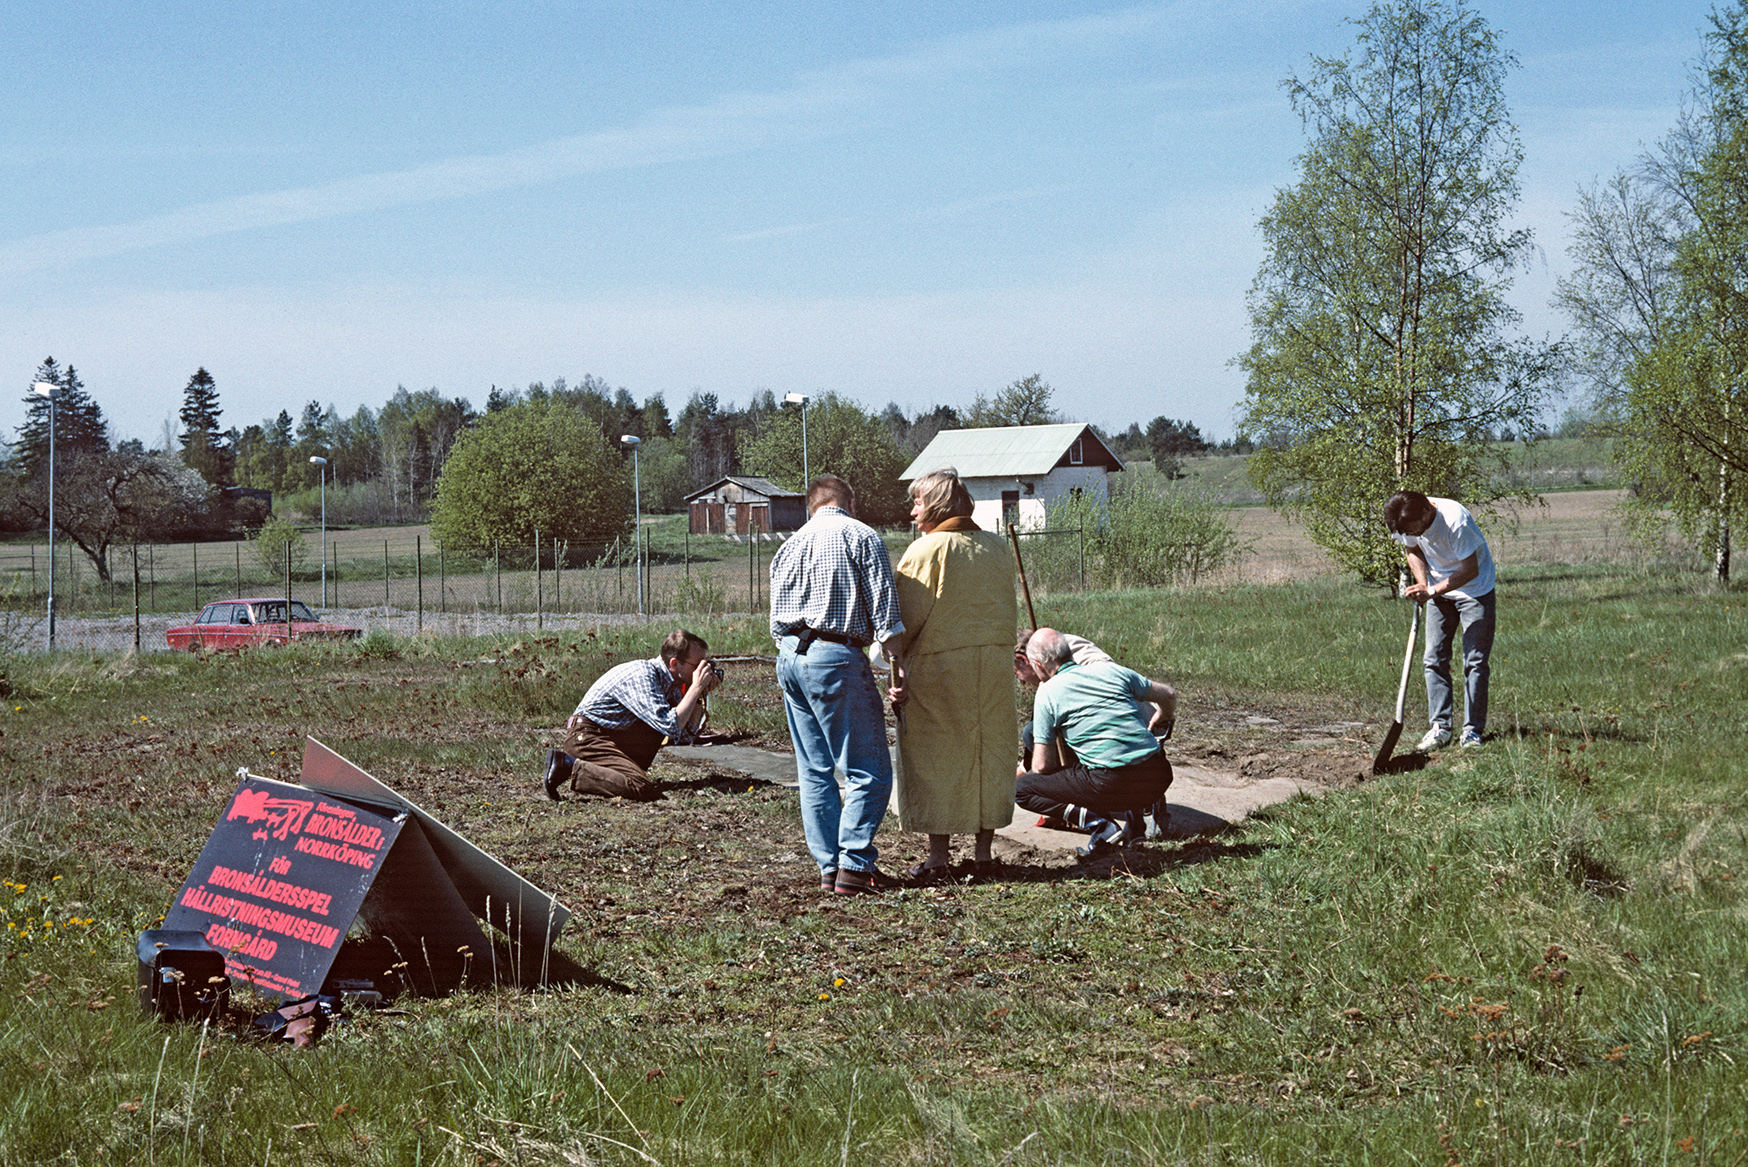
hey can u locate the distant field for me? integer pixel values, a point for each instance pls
(1582, 526)
(396, 572)
(1557, 464)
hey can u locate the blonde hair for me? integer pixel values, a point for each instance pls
(942, 494)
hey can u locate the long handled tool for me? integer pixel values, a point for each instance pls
(1020, 566)
(1383, 759)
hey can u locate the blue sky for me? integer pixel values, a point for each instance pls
(912, 202)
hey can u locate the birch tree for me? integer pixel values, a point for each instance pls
(1383, 357)
(1659, 299)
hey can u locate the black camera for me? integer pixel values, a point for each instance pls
(716, 670)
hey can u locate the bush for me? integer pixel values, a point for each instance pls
(271, 542)
(537, 466)
(1144, 537)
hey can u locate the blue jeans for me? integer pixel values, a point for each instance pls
(837, 722)
(1476, 616)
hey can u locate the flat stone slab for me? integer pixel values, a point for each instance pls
(1202, 800)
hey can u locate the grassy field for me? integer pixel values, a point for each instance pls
(1528, 954)
(401, 568)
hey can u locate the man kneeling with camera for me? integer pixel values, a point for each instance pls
(628, 715)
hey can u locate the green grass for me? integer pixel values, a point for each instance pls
(1528, 954)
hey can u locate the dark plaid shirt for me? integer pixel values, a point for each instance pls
(834, 575)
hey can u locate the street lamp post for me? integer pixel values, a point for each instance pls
(50, 390)
(322, 465)
(802, 399)
(632, 441)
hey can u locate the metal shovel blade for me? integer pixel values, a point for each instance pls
(1382, 761)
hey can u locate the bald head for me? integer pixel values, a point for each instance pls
(1048, 651)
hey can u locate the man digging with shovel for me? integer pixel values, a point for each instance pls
(1453, 577)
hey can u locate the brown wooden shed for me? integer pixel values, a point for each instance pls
(741, 505)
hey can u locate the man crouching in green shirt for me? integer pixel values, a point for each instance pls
(1119, 770)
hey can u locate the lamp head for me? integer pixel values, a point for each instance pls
(800, 399)
(630, 441)
(45, 388)
(315, 461)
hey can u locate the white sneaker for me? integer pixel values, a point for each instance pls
(1469, 740)
(1437, 738)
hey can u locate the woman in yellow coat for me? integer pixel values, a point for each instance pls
(958, 736)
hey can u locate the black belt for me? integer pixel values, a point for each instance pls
(807, 636)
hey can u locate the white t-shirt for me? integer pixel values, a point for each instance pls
(1452, 538)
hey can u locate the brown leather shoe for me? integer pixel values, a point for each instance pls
(853, 883)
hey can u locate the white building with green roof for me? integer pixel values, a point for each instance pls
(1014, 472)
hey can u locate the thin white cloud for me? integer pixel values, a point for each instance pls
(822, 104)
(943, 212)
(789, 230)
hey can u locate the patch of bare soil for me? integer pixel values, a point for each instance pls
(720, 831)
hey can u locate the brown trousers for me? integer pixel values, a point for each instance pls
(614, 763)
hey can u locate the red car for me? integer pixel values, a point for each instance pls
(240, 623)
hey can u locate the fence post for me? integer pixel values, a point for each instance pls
(136, 548)
(288, 593)
(194, 549)
(152, 570)
(385, 577)
(498, 571)
(539, 582)
(419, 578)
(752, 600)
(239, 567)
(557, 580)
(442, 580)
(334, 574)
(1083, 555)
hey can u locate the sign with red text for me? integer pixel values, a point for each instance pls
(281, 879)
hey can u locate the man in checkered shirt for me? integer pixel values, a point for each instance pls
(627, 715)
(832, 595)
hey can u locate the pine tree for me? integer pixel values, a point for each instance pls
(79, 424)
(204, 448)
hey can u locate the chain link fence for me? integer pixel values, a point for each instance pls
(401, 582)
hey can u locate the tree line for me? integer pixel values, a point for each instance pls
(544, 457)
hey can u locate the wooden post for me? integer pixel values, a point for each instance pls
(1020, 566)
